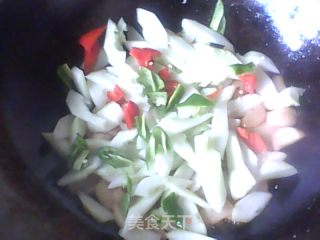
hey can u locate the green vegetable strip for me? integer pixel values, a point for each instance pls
(78, 146)
(142, 127)
(242, 68)
(170, 205)
(196, 100)
(65, 75)
(151, 151)
(125, 203)
(175, 98)
(126, 199)
(112, 157)
(158, 98)
(218, 21)
(161, 140)
(81, 161)
(150, 80)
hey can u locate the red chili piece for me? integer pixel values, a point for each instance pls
(130, 111)
(249, 82)
(117, 95)
(253, 140)
(144, 56)
(89, 41)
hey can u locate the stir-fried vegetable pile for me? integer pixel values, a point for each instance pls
(173, 124)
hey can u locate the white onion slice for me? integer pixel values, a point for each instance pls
(241, 180)
(238, 107)
(148, 186)
(261, 60)
(80, 82)
(79, 109)
(266, 88)
(112, 45)
(97, 94)
(96, 210)
(78, 126)
(152, 29)
(123, 137)
(204, 34)
(62, 146)
(62, 128)
(111, 112)
(174, 125)
(250, 206)
(272, 169)
(190, 209)
(286, 136)
(139, 209)
(290, 96)
(211, 217)
(103, 78)
(76, 176)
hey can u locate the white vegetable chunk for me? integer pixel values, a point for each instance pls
(241, 180)
(250, 206)
(62, 146)
(184, 171)
(78, 126)
(266, 88)
(139, 209)
(208, 166)
(185, 235)
(272, 156)
(211, 217)
(272, 169)
(103, 78)
(286, 136)
(78, 108)
(75, 176)
(152, 29)
(174, 125)
(111, 112)
(123, 137)
(96, 210)
(240, 106)
(291, 96)
(220, 128)
(112, 45)
(261, 60)
(148, 185)
(102, 60)
(282, 117)
(204, 34)
(97, 94)
(80, 82)
(196, 224)
(63, 126)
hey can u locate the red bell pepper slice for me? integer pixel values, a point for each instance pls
(164, 73)
(249, 82)
(170, 86)
(144, 56)
(130, 111)
(117, 95)
(253, 140)
(89, 41)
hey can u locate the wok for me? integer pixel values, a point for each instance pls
(39, 35)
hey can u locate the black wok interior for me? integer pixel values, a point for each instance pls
(39, 35)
